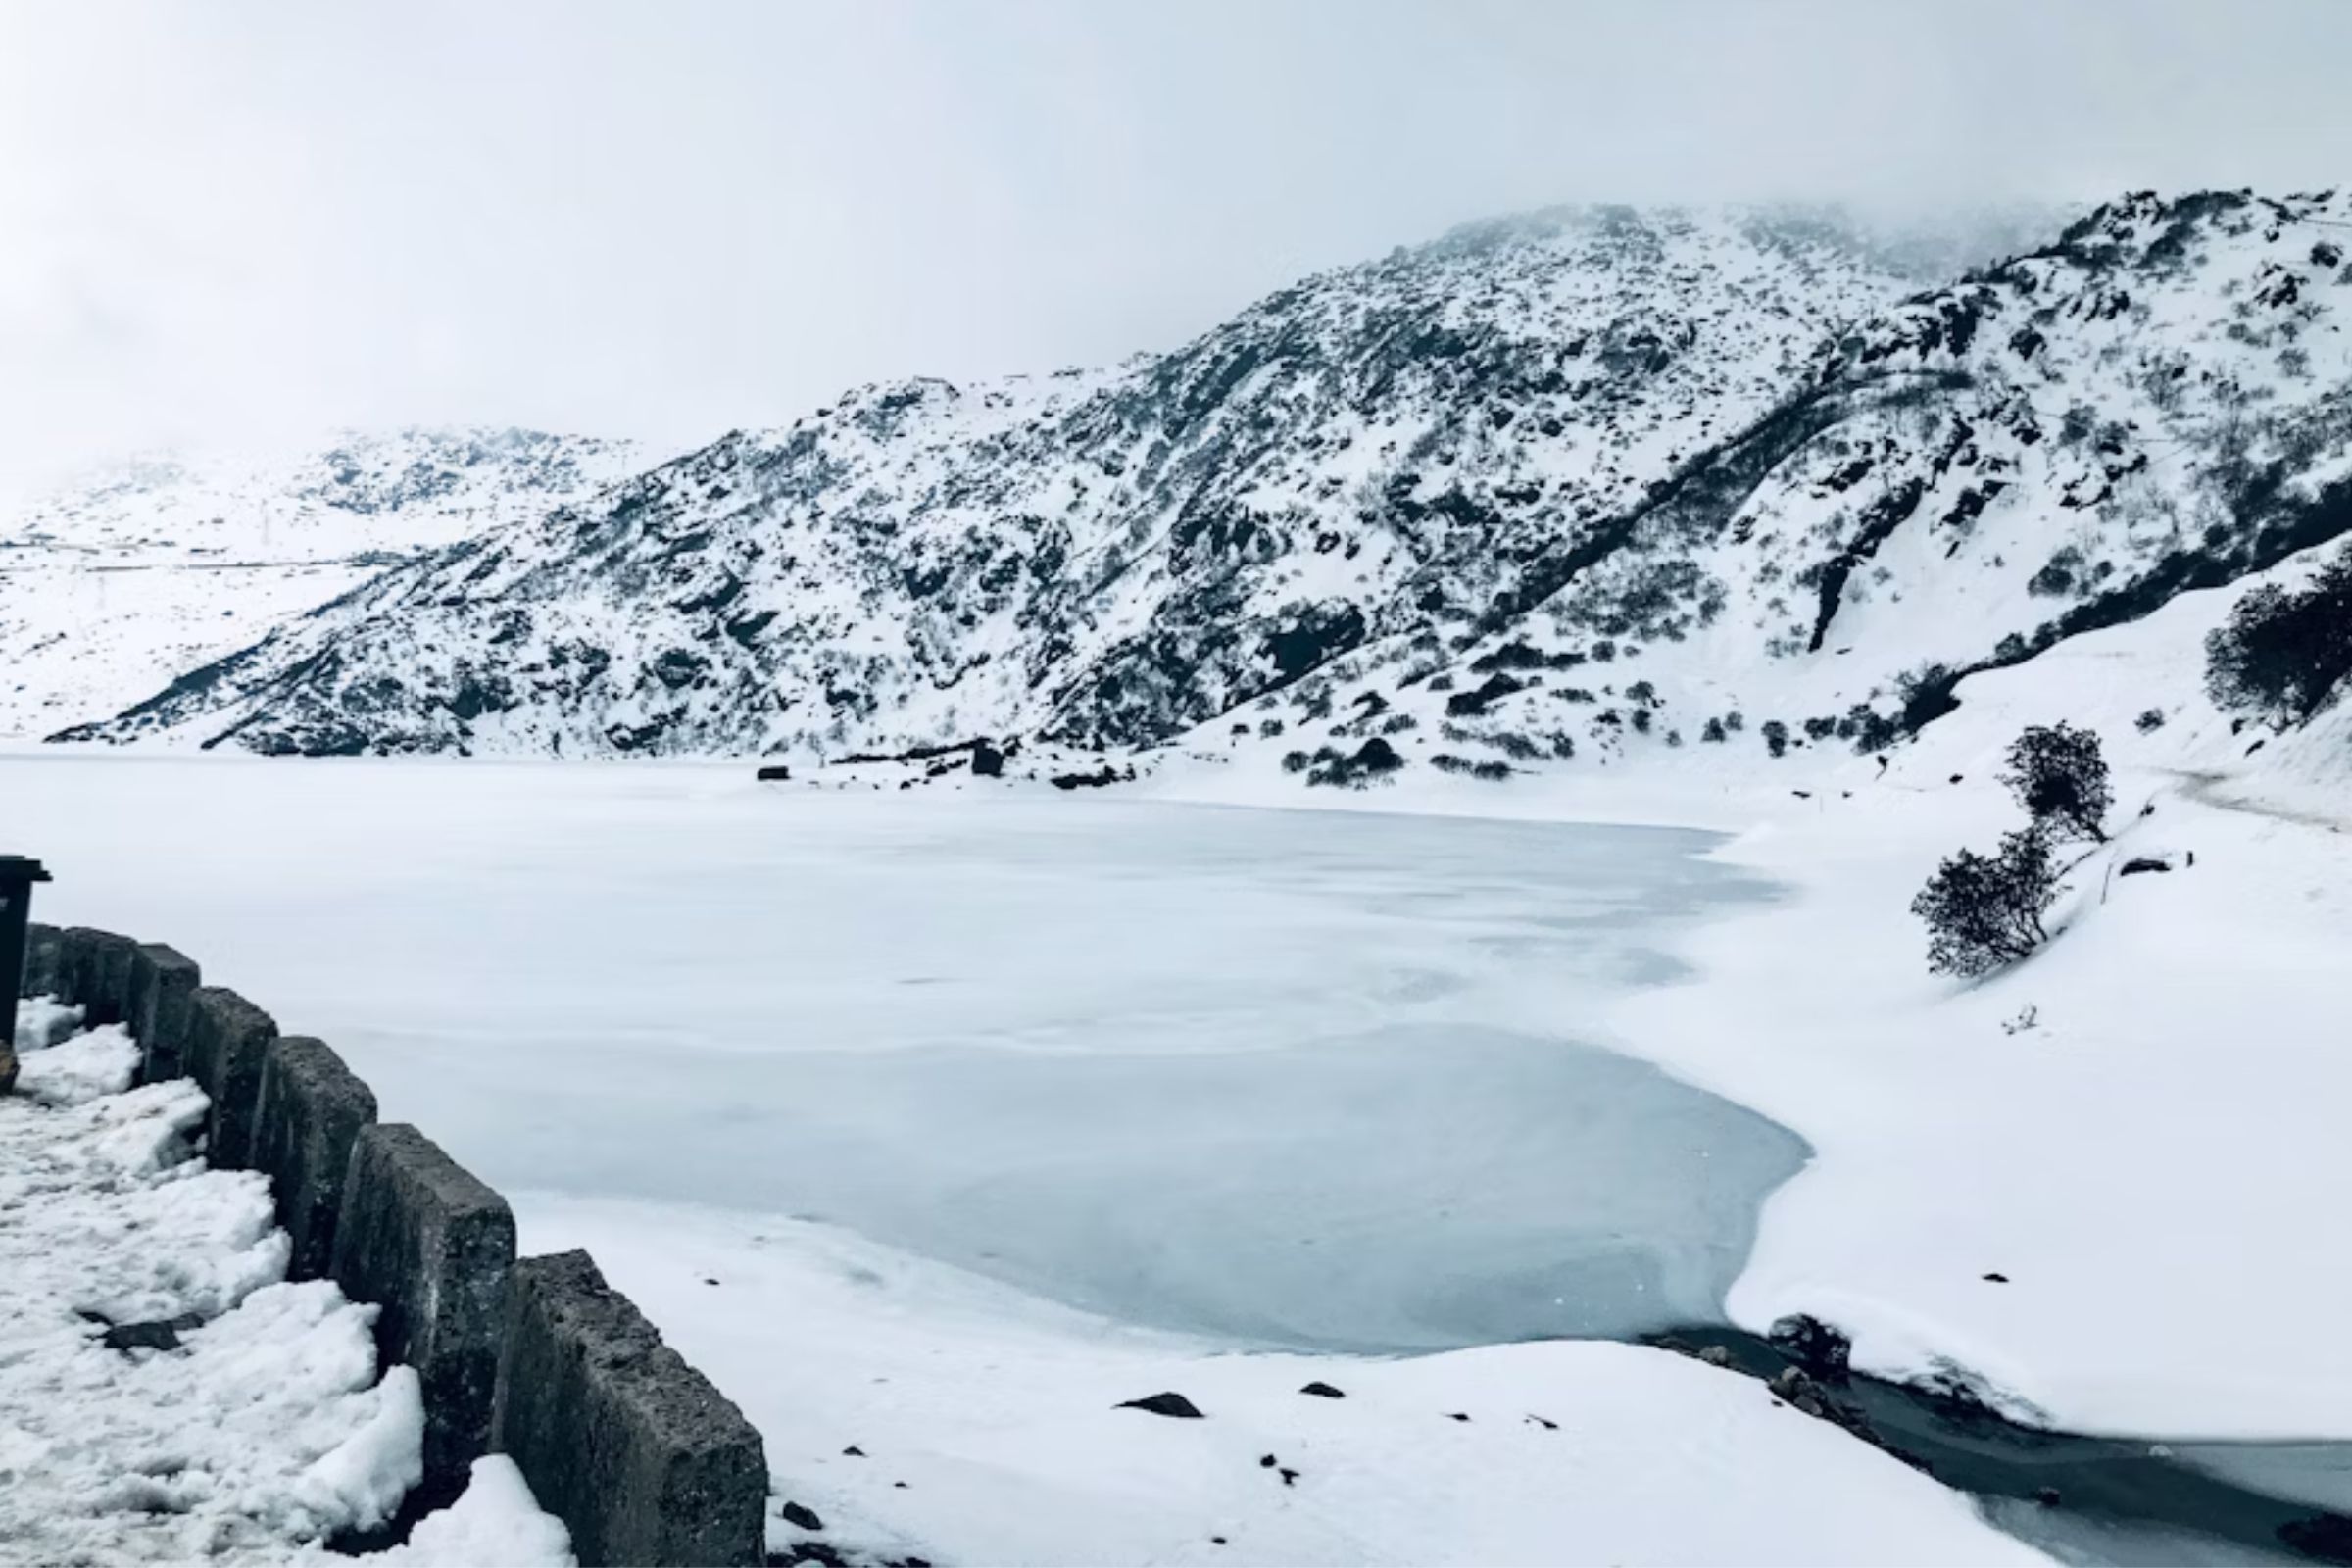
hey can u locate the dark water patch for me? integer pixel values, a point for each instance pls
(2086, 1499)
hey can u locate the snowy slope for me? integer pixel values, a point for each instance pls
(1109, 557)
(163, 564)
(1547, 492)
(2090, 1185)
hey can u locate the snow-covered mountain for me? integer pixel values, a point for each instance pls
(1556, 490)
(162, 564)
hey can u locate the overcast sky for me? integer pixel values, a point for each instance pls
(223, 221)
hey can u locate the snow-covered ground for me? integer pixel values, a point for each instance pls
(938, 1090)
(263, 1429)
(987, 1429)
(2135, 1128)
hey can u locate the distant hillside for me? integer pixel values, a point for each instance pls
(1555, 491)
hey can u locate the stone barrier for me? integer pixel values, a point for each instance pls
(94, 972)
(227, 1038)
(309, 1114)
(635, 1451)
(618, 1437)
(162, 981)
(421, 1234)
(42, 942)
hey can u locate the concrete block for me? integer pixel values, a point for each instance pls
(162, 981)
(41, 944)
(618, 1437)
(425, 1239)
(227, 1038)
(94, 969)
(309, 1113)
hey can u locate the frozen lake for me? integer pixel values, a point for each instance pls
(1281, 1078)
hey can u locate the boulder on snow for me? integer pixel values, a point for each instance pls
(1323, 1391)
(774, 773)
(987, 761)
(1814, 1346)
(1168, 1405)
(2140, 864)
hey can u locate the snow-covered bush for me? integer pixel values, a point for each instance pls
(1984, 913)
(1375, 759)
(2058, 775)
(2285, 653)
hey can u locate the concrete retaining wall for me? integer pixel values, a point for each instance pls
(421, 1234)
(632, 1449)
(661, 1466)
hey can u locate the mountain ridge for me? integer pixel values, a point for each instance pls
(1688, 446)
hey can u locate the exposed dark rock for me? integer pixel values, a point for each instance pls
(1814, 1346)
(1168, 1405)
(800, 1517)
(774, 773)
(2139, 864)
(1323, 1391)
(158, 1336)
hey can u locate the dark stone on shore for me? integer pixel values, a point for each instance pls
(1168, 1405)
(2140, 864)
(1323, 1391)
(1814, 1346)
(1997, 1279)
(425, 1239)
(800, 1517)
(774, 773)
(2325, 1536)
(312, 1107)
(987, 761)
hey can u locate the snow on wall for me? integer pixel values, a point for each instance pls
(430, 1247)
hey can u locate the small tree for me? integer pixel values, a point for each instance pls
(2057, 774)
(1984, 913)
(2284, 654)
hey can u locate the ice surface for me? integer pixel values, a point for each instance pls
(1284, 1078)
